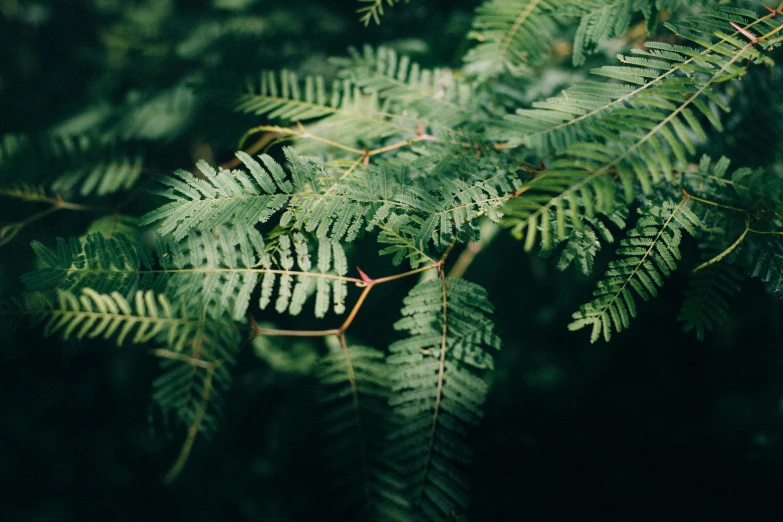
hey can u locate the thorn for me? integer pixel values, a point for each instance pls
(419, 129)
(364, 276)
(747, 34)
(254, 328)
(768, 8)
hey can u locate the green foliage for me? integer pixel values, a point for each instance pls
(384, 155)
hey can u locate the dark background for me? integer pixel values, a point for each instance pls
(652, 426)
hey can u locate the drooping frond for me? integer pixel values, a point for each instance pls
(193, 382)
(705, 306)
(196, 358)
(357, 421)
(664, 90)
(438, 391)
(194, 378)
(648, 255)
(510, 33)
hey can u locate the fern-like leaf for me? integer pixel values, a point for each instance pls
(438, 391)
(705, 306)
(91, 315)
(317, 202)
(221, 270)
(434, 98)
(600, 20)
(510, 33)
(72, 165)
(664, 87)
(373, 10)
(763, 259)
(581, 245)
(331, 206)
(103, 264)
(357, 421)
(193, 382)
(639, 144)
(648, 255)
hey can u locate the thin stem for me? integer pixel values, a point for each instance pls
(252, 149)
(368, 286)
(272, 332)
(405, 143)
(769, 232)
(301, 132)
(8, 232)
(715, 204)
(406, 274)
(176, 356)
(316, 275)
(355, 309)
(726, 252)
(441, 379)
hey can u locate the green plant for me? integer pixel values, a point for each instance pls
(422, 165)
